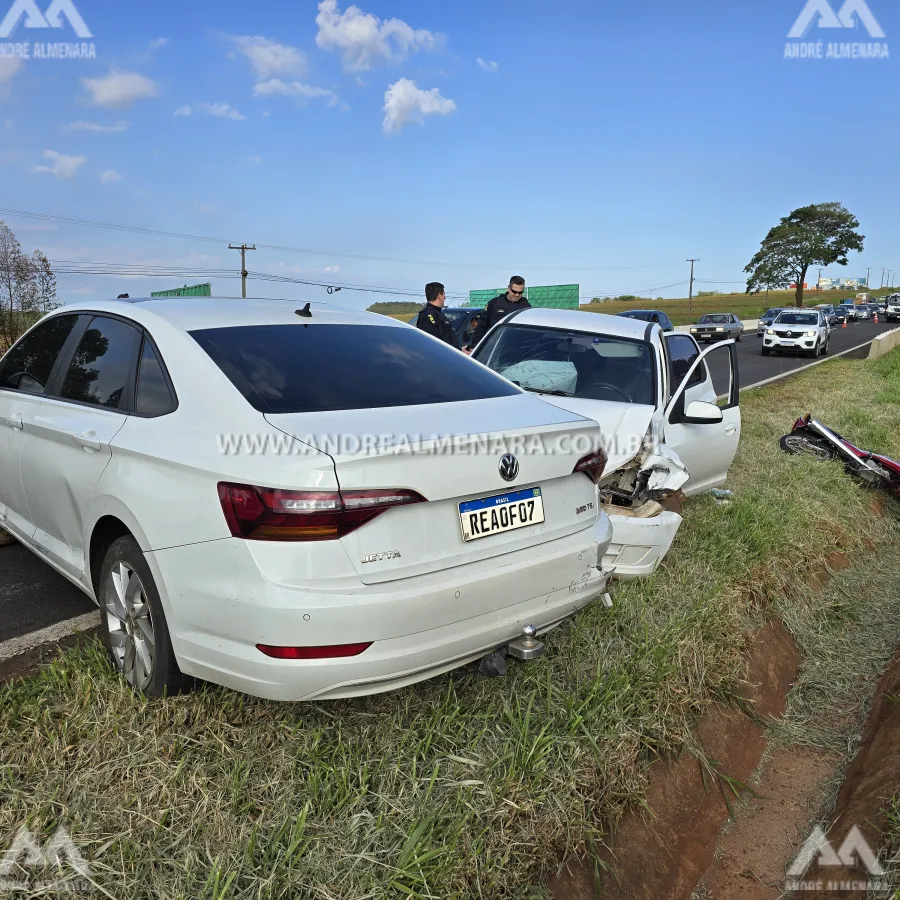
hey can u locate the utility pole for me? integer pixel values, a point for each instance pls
(243, 248)
(867, 277)
(691, 289)
(819, 288)
(882, 278)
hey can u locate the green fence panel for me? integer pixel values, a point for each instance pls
(194, 290)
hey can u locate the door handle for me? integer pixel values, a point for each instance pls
(730, 430)
(15, 422)
(88, 441)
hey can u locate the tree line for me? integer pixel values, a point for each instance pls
(27, 287)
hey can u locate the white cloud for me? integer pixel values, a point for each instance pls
(182, 111)
(404, 104)
(98, 128)
(110, 176)
(159, 43)
(303, 92)
(256, 160)
(119, 89)
(488, 65)
(269, 58)
(364, 40)
(9, 124)
(220, 110)
(62, 166)
(360, 82)
(207, 209)
(301, 270)
(10, 66)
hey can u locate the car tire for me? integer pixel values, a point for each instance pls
(740, 337)
(133, 624)
(765, 351)
(825, 347)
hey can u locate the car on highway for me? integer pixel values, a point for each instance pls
(463, 320)
(768, 317)
(850, 307)
(297, 503)
(804, 330)
(649, 315)
(718, 327)
(829, 312)
(865, 312)
(652, 394)
(892, 308)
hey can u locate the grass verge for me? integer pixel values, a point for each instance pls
(458, 787)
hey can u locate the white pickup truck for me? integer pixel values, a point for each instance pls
(666, 434)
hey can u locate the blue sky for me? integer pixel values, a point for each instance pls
(590, 138)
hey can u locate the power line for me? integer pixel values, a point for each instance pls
(88, 223)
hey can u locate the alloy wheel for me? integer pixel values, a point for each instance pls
(130, 626)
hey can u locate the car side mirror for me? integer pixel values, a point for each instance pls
(700, 413)
(15, 381)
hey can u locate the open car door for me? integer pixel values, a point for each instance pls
(705, 435)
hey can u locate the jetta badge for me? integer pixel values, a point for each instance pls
(509, 467)
(378, 557)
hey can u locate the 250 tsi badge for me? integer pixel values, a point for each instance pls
(378, 557)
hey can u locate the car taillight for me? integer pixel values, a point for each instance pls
(333, 651)
(268, 514)
(592, 465)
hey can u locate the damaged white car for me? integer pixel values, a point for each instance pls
(667, 436)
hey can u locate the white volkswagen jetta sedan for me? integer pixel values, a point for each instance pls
(295, 503)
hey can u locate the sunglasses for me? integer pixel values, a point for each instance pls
(517, 293)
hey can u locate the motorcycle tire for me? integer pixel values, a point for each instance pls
(800, 444)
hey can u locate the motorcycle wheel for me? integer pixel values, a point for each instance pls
(803, 445)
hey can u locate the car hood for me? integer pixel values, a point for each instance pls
(624, 425)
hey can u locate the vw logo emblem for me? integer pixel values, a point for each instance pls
(509, 467)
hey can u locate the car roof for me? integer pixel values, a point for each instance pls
(598, 323)
(706, 315)
(632, 312)
(194, 313)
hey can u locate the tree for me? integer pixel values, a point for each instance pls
(818, 235)
(27, 287)
(44, 283)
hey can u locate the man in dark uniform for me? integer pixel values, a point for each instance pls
(432, 319)
(499, 308)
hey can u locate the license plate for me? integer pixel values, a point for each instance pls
(505, 512)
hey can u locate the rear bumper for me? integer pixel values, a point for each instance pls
(220, 606)
(639, 545)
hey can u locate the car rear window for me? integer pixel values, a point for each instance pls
(316, 368)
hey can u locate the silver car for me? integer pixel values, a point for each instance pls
(804, 330)
(718, 327)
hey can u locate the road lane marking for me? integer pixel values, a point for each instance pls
(818, 362)
(18, 645)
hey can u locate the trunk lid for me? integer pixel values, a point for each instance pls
(450, 453)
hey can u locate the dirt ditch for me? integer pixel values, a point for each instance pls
(707, 834)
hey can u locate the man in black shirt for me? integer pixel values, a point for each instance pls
(499, 308)
(432, 319)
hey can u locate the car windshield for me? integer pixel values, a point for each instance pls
(797, 319)
(455, 316)
(771, 313)
(644, 315)
(715, 320)
(313, 368)
(572, 363)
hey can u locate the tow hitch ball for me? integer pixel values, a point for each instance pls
(526, 647)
